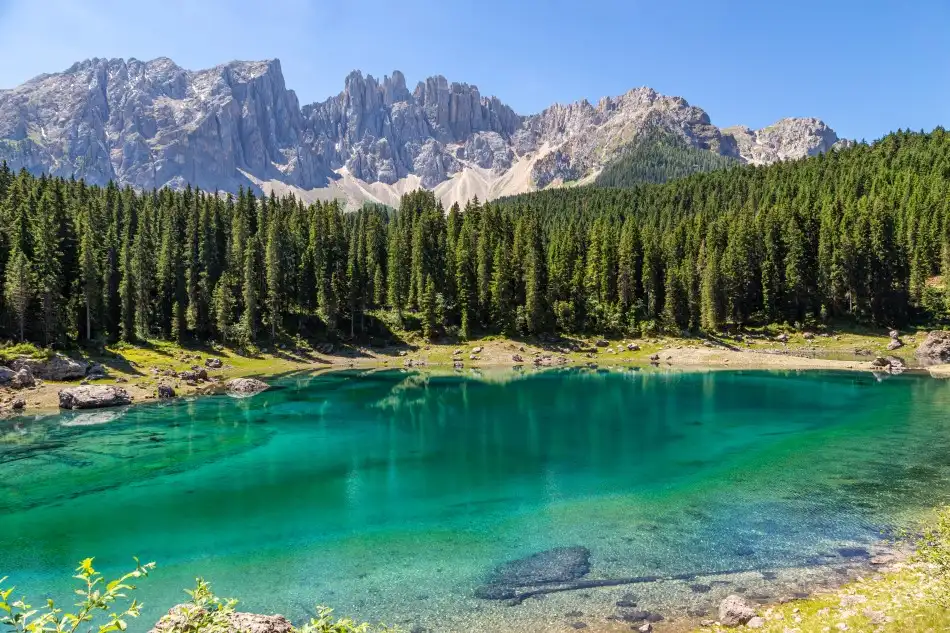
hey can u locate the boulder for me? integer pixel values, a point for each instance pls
(93, 397)
(935, 348)
(477, 350)
(601, 343)
(561, 564)
(185, 618)
(213, 363)
(6, 375)
(633, 347)
(58, 367)
(655, 358)
(458, 364)
(895, 362)
(893, 334)
(96, 371)
(880, 361)
(808, 336)
(193, 375)
(23, 379)
(734, 611)
(782, 338)
(895, 344)
(246, 386)
(18, 404)
(165, 392)
(517, 358)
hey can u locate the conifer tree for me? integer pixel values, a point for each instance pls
(18, 289)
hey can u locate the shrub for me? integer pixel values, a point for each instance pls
(95, 594)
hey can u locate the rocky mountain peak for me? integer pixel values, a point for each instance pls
(152, 123)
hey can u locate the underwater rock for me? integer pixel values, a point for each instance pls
(558, 565)
(853, 552)
(561, 564)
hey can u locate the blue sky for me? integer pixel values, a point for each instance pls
(865, 67)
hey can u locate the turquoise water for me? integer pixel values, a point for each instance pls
(392, 495)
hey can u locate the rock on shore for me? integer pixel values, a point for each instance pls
(734, 611)
(58, 367)
(182, 618)
(246, 386)
(935, 348)
(93, 397)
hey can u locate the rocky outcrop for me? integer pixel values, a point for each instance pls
(153, 124)
(245, 386)
(935, 349)
(57, 368)
(787, 139)
(93, 397)
(184, 618)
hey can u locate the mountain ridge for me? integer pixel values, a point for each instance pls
(153, 124)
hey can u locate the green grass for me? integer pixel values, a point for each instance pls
(915, 596)
(11, 351)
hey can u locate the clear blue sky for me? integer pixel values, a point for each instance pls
(864, 66)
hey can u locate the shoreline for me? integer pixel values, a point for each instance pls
(773, 592)
(140, 370)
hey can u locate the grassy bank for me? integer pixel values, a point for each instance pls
(143, 366)
(911, 596)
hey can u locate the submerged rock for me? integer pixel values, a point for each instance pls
(561, 564)
(734, 610)
(246, 386)
(93, 397)
(553, 566)
(58, 367)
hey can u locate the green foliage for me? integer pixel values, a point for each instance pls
(203, 613)
(858, 234)
(12, 351)
(326, 623)
(96, 596)
(933, 549)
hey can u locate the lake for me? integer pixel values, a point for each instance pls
(393, 495)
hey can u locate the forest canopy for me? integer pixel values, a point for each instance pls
(861, 234)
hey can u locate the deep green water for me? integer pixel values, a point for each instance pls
(390, 495)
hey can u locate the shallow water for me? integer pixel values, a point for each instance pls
(392, 495)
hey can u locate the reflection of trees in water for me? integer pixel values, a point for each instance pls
(62, 457)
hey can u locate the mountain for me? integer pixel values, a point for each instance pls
(154, 124)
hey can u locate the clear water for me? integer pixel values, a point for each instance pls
(391, 495)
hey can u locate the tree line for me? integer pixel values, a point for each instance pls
(860, 234)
